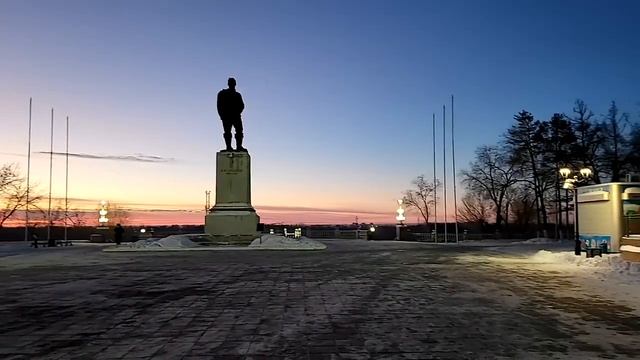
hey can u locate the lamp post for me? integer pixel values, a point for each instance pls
(400, 218)
(572, 183)
(372, 230)
(103, 220)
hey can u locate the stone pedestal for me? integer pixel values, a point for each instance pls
(232, 219)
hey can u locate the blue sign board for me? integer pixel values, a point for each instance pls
(593, 241)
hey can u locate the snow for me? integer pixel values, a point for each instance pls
(608, 276)
(539, 240)
(607, 263)
(278, 242)
(630, 248)
(169, 242)
(190, 242)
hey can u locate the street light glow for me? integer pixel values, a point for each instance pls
(103, 220)
(400, 217)
(585, 172)
(572, 183)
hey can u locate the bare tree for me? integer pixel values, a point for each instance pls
(523, 210)
(60, 217)
(615, 125)
(633, 156)
(526, 146)
(474, 209)
(589, 139)
(13, 192)
(491, 175)
(421, 197)
(118, 214)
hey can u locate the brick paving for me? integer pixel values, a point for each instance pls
(356, 300)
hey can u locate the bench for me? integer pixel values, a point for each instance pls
(64, 242)
(45, 243)
(597, 250)
(593, 251)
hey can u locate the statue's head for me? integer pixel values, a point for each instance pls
(232, 83)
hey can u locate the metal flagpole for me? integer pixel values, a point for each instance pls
(453, 160)
(444, 168)
(66, 186)
(49, 240)
(26, 211)
(435, 188)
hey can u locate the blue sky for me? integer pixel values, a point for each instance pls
(339, 94)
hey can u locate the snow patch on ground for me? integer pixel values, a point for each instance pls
(630, 248)
(278, 242)
(169, 242)
(539, 240)
(608, 276)
(608, 262)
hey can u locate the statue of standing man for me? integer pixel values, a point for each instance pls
(230, 106)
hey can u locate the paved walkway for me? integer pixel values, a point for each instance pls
(356, 300)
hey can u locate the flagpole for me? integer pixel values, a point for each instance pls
(453, 160)
(435, 187)
(26, 211)
(50, 242)
(444, 168)
(66, 187)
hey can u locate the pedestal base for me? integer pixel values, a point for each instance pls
(232, 226)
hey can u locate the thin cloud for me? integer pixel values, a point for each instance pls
(135, 158)
(13, 154)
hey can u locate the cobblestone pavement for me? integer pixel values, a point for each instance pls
(356, 300)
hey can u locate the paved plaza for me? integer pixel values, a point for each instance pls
(355, 300)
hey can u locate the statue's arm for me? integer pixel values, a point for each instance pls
(241, 103)
(219, 104)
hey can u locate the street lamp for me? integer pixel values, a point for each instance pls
(572, 183)
(400, 218)
(103, 220)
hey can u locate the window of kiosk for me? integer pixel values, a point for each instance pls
(631, 210)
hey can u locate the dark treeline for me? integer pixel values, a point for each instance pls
(516, 182)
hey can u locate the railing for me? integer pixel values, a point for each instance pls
(451, 237)
(431, 237)
(336, 234)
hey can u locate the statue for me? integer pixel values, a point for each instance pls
(230, 106)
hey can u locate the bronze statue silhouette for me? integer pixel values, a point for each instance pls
(230, 106)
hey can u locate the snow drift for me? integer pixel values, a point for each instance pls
(278, 242)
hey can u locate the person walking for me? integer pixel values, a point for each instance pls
(118, 231)
(34, 239)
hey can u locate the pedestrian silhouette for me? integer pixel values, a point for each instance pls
(117, 232)
(34, 239)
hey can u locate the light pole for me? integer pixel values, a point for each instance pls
(572, 183)
(372, 230)
(103, 220)
(400, 218)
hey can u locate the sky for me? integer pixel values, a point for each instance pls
(339, 94)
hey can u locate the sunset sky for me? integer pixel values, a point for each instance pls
(339, 94)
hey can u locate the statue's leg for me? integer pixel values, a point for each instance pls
(239, 134)
(226, 125)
